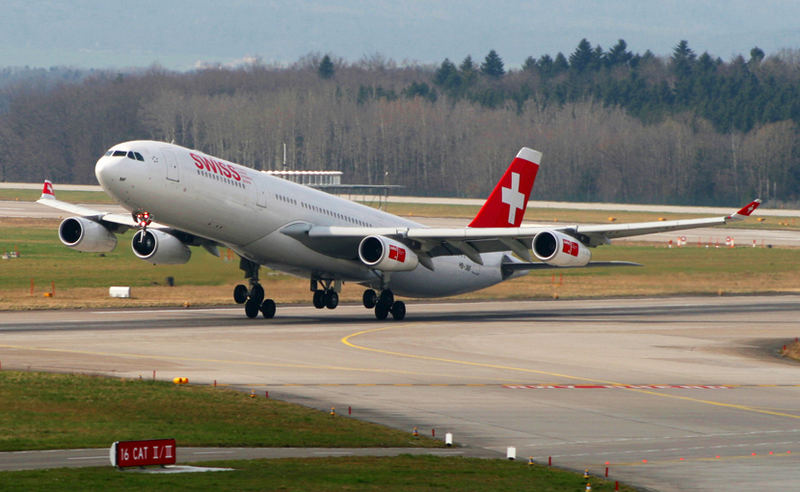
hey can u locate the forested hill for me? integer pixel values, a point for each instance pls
(613, 125)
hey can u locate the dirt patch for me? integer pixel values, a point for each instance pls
(791, 350)
(767, 350)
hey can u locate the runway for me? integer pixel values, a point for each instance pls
(674, 393)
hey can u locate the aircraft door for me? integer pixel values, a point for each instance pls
(173, 172)
(261, 196)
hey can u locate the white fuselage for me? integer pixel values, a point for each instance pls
(245, 209)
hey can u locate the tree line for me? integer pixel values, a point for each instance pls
(613, 125)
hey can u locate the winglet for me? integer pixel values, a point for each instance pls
(745, 211)
(47, 191)
(506, 205)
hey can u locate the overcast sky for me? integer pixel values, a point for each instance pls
(180, 34)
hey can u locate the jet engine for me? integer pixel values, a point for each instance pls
(86, 235)
(386, 254)
(160, 248)
(557, 249)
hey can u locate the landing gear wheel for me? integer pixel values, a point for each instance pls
(251, 308)
(381, 312)
(398, 310)
(319, 299)
(331, 299)
(386, 299)
(268, 308)
(257, 294)
(370, 298)
(240, 294)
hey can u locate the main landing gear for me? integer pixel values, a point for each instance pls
(384, 304)
(328, 296)
(253, 298)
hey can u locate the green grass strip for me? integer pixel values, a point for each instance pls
(403, 473)
(54, 411)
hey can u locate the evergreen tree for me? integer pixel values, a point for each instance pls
(545, 65)
(493, 65)
(467, 66)
(597, 58)
(560, 64)
(529, 65)
(326, 69)
(468, 71)
(446, 75)
(619, 54)
(583, 57)
(420, 89)
(683, 59)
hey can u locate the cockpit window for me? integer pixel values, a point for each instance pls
(138, 156)
(108, 153)
(119, 153)
(131, 156)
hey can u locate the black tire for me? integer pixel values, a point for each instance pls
(257, 294)
(386, 299)
(370, 298)
(319, 299)
(251, 308)
(268, 308)
(381, 312)
(398, 310)
(240, 294)
(331, 299)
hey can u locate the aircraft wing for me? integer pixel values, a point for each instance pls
(119, 223)
(125, 221)
(342, 242)
(600, 234)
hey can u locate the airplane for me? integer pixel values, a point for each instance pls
(179, 197)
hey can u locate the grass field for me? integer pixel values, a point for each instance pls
(82, 279)
(403, 473)
(64, 411)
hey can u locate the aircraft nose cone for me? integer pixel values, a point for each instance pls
(101, 171)
(108, 171)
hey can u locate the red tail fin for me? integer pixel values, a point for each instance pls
(47, 190)
(505, 207)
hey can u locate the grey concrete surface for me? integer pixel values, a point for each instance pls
(691, 385)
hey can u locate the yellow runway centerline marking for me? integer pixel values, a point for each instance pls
(347, 341)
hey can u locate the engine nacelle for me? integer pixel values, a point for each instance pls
(86, 235)
(386, 254)
(557, 249)
(160, 248)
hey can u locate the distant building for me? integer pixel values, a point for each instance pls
(331, 181)
(310, 178)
